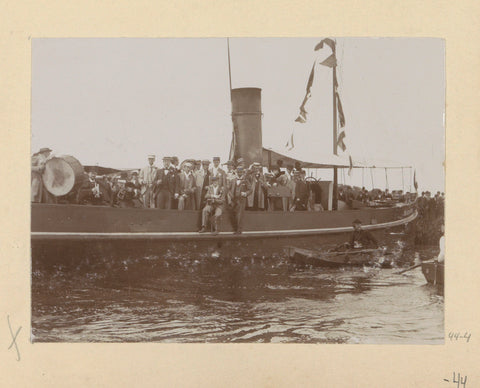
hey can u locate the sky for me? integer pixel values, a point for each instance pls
(114, 101)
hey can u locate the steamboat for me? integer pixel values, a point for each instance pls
(66, 229)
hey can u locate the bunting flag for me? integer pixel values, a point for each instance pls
(328, 41)
(340, 142)
(290, 144)
(331, 62)
(302, 117)
(341, 116)
(350, 167)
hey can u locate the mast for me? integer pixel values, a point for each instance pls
(231, 155)
(335, 172)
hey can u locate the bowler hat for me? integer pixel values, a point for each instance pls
(151, 156)
(44, 149)
(216, 159)
(167, 158)
(205, 161)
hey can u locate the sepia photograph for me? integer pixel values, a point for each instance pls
(238, 190)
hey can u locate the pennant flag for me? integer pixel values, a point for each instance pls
(341, 116)
(302, 117)
(340, 142)
(290, 144)
(329, 42)
(331, 61)
(350, 168)
(415, 184)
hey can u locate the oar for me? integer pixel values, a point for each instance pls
(408, 269)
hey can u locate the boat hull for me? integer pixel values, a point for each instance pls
(71, 230)
(434, 272)
(350, 258)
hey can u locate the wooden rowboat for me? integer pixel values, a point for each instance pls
(351, 257)
(434, 272)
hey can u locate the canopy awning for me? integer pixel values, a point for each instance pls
(271, 156)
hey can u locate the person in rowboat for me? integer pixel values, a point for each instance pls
(361, 238)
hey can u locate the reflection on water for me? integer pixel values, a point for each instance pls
(215, 299)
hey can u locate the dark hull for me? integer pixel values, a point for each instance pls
(350, 258)
(60, 222)
(434, 272)
(72, 230)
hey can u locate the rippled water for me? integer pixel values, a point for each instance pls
(215, 299)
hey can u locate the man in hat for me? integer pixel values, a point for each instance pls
(217, 171)
(241, 163)
(238, 192)
(186, 188)
(136, 182)
(256, 200)
(215, 199)
(200, 185)
(39, 159)
(230, 175)
(175, 163)
(167, 184)
(361, 238)
(148, 177)
(205, 181)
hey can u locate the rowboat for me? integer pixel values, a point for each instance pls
(434, 272)
(351, 257)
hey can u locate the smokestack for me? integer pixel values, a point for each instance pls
(247, 124)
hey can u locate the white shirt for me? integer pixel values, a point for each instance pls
(441, 255)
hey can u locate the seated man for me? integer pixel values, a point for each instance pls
(300, 201)
(186, 188)
(89, 192)
(215, 199)
(361, 238)
(127, 197)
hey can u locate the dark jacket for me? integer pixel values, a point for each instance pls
(364, 238)
(169, 182)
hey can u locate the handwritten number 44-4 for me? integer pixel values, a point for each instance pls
(455, 336)
(458, 379)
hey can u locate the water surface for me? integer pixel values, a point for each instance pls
(213, 299)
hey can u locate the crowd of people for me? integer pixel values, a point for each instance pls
(431, 218)
(213, 187)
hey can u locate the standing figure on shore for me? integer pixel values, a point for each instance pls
(215, 200)
(238, 192)
(39, 194)
(148, 179)
(167, 184)
(186, 188)
(441, 243)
